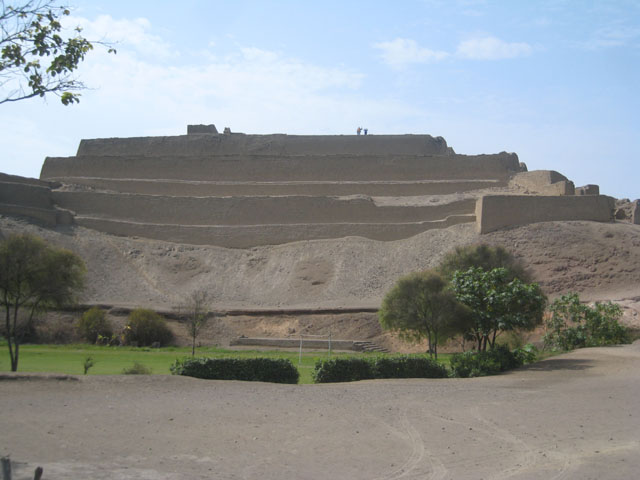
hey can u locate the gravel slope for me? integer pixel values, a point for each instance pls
(599, 260)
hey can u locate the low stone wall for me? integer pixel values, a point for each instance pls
(250, 210)
(277, 168)
(276, 144)
(294, 343)
(494, 212)
(247, 236)
(184, 188)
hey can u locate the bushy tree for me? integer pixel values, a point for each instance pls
(37, 55)
(483, 256)
(498, 303)
(145, 327)
(94, 324)
(575, 325)
(34, 278)
(420, 306)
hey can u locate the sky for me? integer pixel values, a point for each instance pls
(555, 81)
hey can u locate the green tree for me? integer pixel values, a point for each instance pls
(37, 55)
(420, 306)
(575, 325)
(498, 303)
(197, 309)
(34, 278)
(483, 256)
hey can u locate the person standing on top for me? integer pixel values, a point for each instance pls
(358, 130)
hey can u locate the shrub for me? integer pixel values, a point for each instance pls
(480, 364)
(526, 354)
(354, 369)
(145, 327)
(472, 364)
(87, 364)
(94, 324)
(276, 370)
(349, 369)
(137, 369)
(408, 366)
(575, 325)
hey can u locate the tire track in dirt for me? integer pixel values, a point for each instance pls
(412, 467)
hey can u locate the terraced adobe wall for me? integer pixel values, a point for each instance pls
(265, 168)
(277, 210)
(275, 144)
(494, 212)
(240, 191)
(247, 236)
(176, 188)
(29, 197)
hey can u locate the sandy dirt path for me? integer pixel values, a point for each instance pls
(573, 416)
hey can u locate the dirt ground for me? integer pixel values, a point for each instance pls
(573, 416)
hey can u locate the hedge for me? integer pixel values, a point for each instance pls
(276, 370)
(401, 366)
(348, 369)
(480, 364)
(408, 366)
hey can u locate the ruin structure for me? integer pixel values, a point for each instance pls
(237, 190)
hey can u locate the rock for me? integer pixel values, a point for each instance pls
(620, 214)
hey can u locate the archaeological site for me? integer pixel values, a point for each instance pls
(296, 233)
(298, 236)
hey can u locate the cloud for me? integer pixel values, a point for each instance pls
(125, 33)
(613, 36)
(403, 51)
(248, 88)
(491, 48)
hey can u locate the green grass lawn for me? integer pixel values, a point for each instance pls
(69, 359)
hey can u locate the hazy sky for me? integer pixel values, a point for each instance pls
(554, 81)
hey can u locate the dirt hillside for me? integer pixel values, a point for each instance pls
(601, 261)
